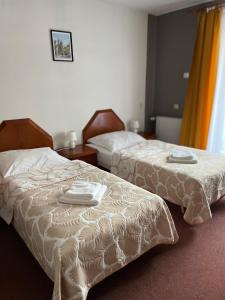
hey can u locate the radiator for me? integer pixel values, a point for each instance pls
(168, 129)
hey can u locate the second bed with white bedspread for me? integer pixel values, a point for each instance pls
(192, 186)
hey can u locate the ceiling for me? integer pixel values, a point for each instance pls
(158, 7)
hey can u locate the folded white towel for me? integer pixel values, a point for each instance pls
(170, 159)
(83, 190)
(79, 201)
(182, 154)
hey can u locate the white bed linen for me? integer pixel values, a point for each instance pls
(104, 156)
(116, 140)
(15, 162)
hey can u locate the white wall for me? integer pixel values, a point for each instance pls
(108, 71)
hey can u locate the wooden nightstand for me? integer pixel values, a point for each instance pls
(81, 152)
(147, 135)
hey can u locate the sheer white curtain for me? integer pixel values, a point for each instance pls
(216, 139)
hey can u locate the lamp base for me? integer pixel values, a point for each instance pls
(134, 130)
(72, 144)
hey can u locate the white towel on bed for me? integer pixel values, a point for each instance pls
(83, 193)
(182, 157)
(182, 154)
(83, 190)
(170, 159)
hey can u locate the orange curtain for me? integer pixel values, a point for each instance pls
(202, 81)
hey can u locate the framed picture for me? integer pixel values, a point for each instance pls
(62, 48)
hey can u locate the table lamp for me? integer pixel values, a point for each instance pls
(72, 136)
(134, 125)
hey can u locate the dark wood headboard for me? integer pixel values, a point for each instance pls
(102, 121)
(23, 134)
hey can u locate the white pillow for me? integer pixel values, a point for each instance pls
(116, 140)
(14, 162)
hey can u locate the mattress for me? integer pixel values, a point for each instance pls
(79, 246)
(104, 156)
(192, 186)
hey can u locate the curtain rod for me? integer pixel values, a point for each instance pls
(203, 6)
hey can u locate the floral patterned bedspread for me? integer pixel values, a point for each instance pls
(192, 186)
(78, 246)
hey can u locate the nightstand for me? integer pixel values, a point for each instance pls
(81, 152)
(147, 135)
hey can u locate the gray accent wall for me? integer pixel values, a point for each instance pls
(171, 39)
(151, 69)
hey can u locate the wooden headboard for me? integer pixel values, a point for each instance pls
(23, 134)
(102, 121)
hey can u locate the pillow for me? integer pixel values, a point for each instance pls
(116, 140)
(14, 162)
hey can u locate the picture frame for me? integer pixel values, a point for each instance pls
(62, 47)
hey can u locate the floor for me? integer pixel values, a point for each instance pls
(192, 269)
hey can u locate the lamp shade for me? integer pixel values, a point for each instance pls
(134, 124)
(72, 136)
